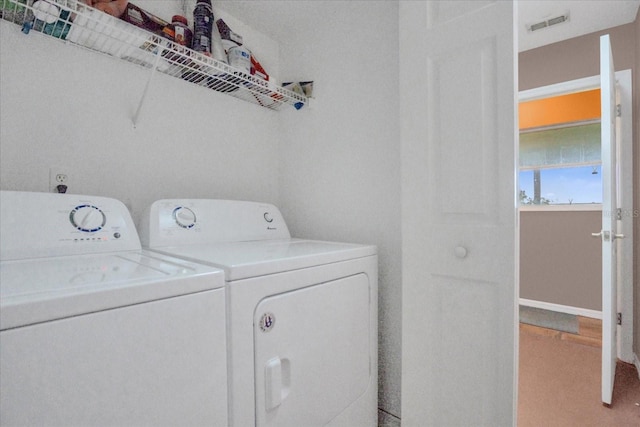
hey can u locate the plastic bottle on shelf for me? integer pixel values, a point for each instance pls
(240, 58)
(206, 38)
(182, 34)
(179, 33)
(202, 27)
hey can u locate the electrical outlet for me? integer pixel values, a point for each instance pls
(58, 181)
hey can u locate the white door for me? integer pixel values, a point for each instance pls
(458, 132)
(624, 141)
(608, 233)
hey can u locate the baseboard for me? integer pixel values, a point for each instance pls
(636, 362)
(594, 314)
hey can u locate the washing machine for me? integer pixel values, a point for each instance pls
(302, 314)
(96, 331)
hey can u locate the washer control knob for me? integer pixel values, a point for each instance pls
(184, 217)
(268, 217)
(87, 218)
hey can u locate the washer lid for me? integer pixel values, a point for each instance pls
(39, 290)
(242, 260)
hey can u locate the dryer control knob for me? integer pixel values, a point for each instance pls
(184, 217)
(87, 218)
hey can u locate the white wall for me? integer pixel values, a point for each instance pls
(340, 160)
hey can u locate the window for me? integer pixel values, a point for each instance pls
(560, 150)
(561, 186)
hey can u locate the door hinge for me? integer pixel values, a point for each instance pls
(619, 318)
(619, 214)
(618, 110)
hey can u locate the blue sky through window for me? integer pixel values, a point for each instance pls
(563, 186)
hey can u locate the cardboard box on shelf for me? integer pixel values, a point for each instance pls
(143, 19)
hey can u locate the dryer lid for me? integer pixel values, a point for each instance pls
(242, 260)
(39, 290)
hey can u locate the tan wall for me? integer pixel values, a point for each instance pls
(577, 58)
(560, 262)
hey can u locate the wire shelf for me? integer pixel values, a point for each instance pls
(75, 22)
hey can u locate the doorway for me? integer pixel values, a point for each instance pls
(560, 189)
(545, 206)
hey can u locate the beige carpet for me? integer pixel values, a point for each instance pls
(560, 386)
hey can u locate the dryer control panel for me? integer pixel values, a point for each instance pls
(175, 222)
(35, 225)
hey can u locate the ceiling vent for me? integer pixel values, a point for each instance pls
(549, 22)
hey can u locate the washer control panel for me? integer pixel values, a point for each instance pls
(46, 224)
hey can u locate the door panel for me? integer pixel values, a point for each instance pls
(463, 154)
(476, 299)
(312, 352)
(458, 132)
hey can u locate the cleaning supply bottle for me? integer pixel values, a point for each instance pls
(202, 27)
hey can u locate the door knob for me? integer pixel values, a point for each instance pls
(460, 251)
(607, 235)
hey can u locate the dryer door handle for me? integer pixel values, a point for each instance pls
(277, 380)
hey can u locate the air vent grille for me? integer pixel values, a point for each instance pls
(549, 22)
(538, 26)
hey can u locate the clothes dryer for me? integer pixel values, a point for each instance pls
(96, 331)
(302, 314)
